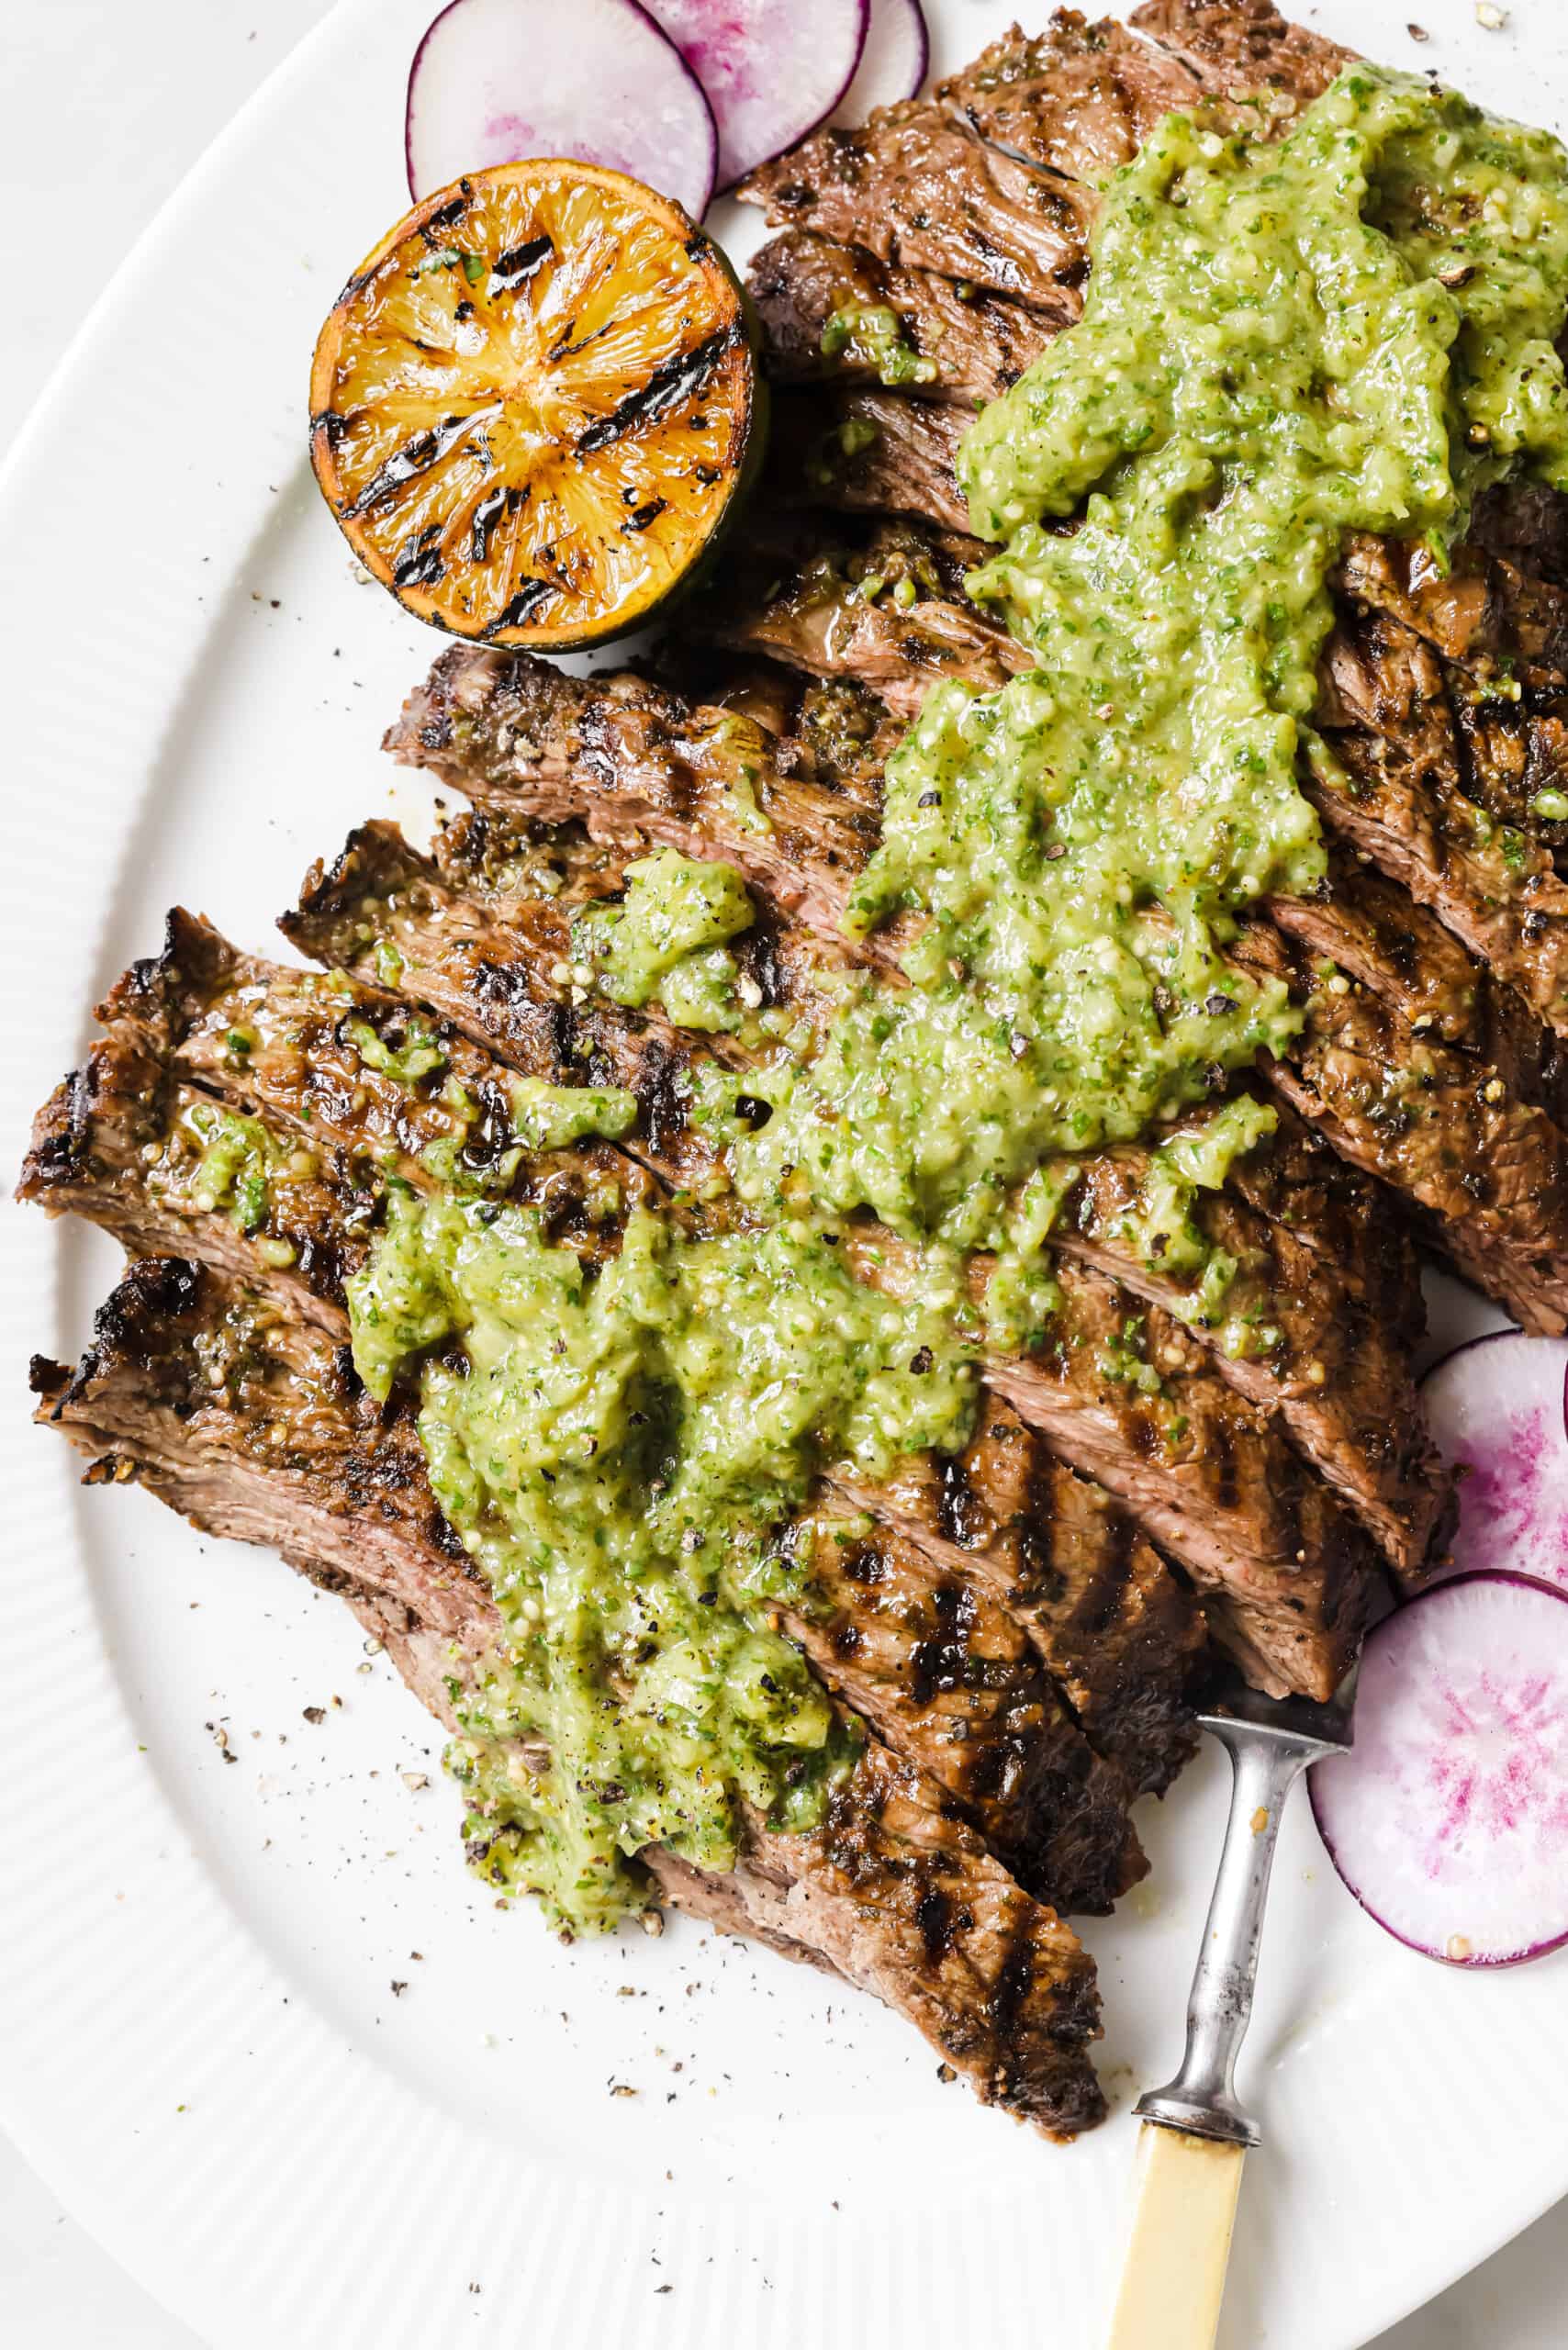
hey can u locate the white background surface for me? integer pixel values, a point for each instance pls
(104, 104)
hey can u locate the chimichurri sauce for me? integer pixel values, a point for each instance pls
(1351, 329)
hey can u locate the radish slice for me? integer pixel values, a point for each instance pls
(1447, 1819)
(772, 69)
(496, 81)
(1496, 1408)
(893, 62)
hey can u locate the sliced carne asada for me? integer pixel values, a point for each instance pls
(1383, 941)
(1359, 1422)
(1244, 48)
(1078, 98)
(120, 1143)
(869, 452)
(261, 1433)
(830, 602)
(1384, 714)
(834, 313)
(256, 1434)
(488, 969)
(1392, 946)
(124, 1146)
(1490, 1171)
(920, 1648)
(1088, 1390)
(918, 191)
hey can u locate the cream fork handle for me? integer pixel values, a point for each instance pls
(1184, 2208)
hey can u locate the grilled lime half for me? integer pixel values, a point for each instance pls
(535, 405)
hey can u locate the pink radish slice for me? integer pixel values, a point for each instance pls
(893, 62)
(497, 81)
(1496, 1408)
(772, 69)
(1447, 1819)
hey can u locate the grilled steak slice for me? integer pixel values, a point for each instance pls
(1078, 98)
(1399, 952)
(523, 739)
(1383, 711)
(1231, 1511)
(869, 452)
(918, 190)
(263, 1434)
(117, 1144)
(826, 600)
(916, 1645)
(906, 1903)
(257, 1432)
(1120, 1633)
(1490, 1170)
(944, 343)
(120, 1143)
(1238, 49)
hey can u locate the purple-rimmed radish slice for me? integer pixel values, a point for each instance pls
(772, 69)
(497, 81)
(1447, 1819)
(895, 62)
(1496, 1408)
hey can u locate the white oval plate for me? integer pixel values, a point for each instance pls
(207, 2045)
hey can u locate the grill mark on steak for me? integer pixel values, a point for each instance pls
(1386, 714)
(945, 1675)
(251, 1437)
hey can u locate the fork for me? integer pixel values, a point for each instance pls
(1195, 2134)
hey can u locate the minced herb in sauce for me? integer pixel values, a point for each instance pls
(666, 941)
(1351, 329)
(873, 335)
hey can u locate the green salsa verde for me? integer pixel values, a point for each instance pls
(619, 1454)
(1282, 344)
